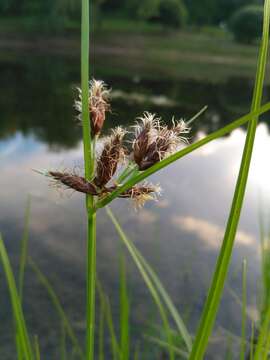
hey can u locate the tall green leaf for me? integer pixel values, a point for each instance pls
(124, 311)
(147, 280)
(244, 310)
(23, 336)
(218, 281)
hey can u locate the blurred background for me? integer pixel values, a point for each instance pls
(171, 57)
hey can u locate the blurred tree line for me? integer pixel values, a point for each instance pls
(55, 14)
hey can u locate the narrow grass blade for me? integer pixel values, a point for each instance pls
(58, 307)
(146, 279)
(36, 347)
(244, 310)
(229, 352)
(195, 117)
(164, 344)
(63, 345)
(165, 296)
(24, 339)
(24, 248)
(218, 281)
(18, 346)
(124, 311)
(238, 301)
(171, 159)
(263, 336)
(101, 333)
(252, 338)
(105, 304)
(167, 300)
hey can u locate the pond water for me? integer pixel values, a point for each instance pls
(180, 235)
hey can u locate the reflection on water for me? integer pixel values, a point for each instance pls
(180, 235)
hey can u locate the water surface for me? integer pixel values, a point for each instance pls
(180, 234)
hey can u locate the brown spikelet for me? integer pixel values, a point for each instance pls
(98, 104)
(74, 182)
(144, 132)
(139, 193)
(166, 142)
(110, 157)
(158, 148)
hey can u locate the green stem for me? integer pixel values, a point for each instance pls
(91, 285)
(85, 88)
(89, 151)
(244, 310)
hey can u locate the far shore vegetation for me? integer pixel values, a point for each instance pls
(208, 53)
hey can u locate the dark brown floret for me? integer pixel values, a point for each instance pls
(144, 132)
(109, 159)
(98, 105)
(140, 145)
(158, 149)
(74, 182)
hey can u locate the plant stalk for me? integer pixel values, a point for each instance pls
(89, 150)
(91, 285)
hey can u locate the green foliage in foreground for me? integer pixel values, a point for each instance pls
(222, 266)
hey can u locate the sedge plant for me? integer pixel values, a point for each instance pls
(118, 172)
(154, 147)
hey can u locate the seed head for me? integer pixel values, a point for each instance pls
(98, 104)
(165, 142)
(145, 132)
(112, 154)
(72, 181)
(142, 193)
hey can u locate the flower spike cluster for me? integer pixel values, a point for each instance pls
(152, 142)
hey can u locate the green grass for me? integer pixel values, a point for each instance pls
(23, 338)
(222, 266)
(148, 282)
(152, 281)
(63, 319)
(124, 311)
(244, 310)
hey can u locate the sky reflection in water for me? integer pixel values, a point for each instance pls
(180, 235)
